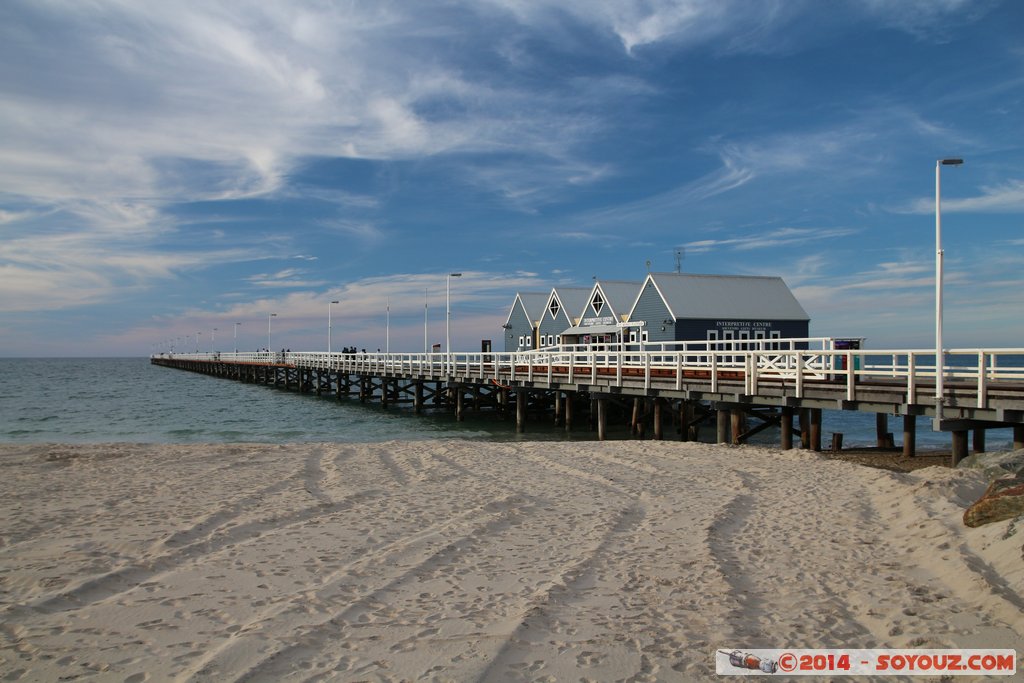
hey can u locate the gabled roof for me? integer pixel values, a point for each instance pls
(725, 296)
(571, 299)
(618, 295)
(532, 304)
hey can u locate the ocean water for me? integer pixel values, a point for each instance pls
(97, 400)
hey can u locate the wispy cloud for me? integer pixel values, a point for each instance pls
(1006, 197)
(769, 239)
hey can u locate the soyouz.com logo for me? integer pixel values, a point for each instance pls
(797, 662)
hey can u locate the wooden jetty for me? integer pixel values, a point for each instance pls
(772, 383)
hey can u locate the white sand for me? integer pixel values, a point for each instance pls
(479, 561)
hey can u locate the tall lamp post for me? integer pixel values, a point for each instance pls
(236, 336)
(940, 356)
(448, 317)
(213, 341)
(329, 324)
(426, 349)
(270, 317)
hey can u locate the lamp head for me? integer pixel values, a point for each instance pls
(951, 162)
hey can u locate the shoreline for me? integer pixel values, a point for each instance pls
(467, 560)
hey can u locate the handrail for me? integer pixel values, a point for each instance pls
(967, 371)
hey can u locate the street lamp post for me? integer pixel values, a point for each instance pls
(329, 324)
(387, 327)
(940, 356)
(197, 342)
(213, 341)
(270, 346)
(426, 349)
(236, 336)
(448, 318)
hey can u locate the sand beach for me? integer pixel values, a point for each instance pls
(470, 561)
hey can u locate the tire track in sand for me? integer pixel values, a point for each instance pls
(413, 555)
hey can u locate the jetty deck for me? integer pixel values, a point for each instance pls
(982, 388)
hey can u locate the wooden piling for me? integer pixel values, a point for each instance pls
(815, 429)
(602, 418)
(738, 423)
(787, 428)
(685, 417)
(658, 405)
(959, 447)
(520, 410)
(909, 436)
(881, 430)
(723, 426)
(979, 440)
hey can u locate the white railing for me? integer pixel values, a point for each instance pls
(973, 372)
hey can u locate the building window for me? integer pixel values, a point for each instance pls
(558, 339)
(597, 303)
(554, 308)
(522, 341)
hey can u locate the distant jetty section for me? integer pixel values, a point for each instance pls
(736, 388)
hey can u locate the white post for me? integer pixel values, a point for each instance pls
(197, 342)
(448, 319)
(270, 346)
(329, 325)
(940, 357)
(213, 341)
(236, 336)
(387, 327)
(426, 349)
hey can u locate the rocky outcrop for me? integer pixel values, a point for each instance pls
(1003, 499)
(995, 465)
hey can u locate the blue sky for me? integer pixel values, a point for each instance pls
(168, 168)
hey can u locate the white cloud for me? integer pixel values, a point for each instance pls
(1007, 197)
(769, 239)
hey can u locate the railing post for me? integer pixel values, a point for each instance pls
(679, 372)
(851, 378)
(799, 377)
(911, 378)
(982, 383)
(647, 371)
(714, 371)
(752, 363)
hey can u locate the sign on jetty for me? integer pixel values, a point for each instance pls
(784, 383)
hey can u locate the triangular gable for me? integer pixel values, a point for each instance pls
(617, 297)
(640, 293)
(526, 301)
(568, 299)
